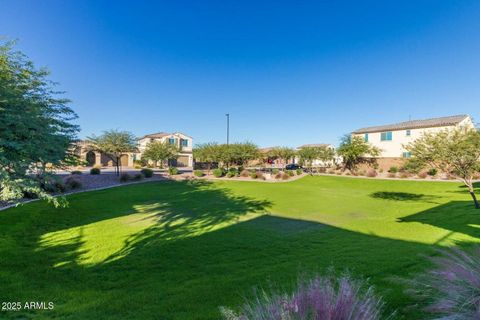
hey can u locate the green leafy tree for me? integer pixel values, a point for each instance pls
(326, 154)
(283, 153)
(240, 153)
(355, 150)
(158, 151)
(456, 152)
(114, 144)
(307, 155)
(209, 153)
(36, 126)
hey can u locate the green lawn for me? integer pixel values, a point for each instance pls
(178, 250)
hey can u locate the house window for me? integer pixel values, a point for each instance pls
(386, 136)
(408, 133)
(171, 141)
(184, 142)
(407, 154)
(366, 137)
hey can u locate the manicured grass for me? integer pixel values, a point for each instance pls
(178, 250)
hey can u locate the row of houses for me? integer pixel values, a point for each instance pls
(391, 139)
(183, 142)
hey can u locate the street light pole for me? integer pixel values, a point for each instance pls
(228, 127)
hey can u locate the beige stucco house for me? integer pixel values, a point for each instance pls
(92, 158)
(182, 141)
(391, 139)
(318, 162)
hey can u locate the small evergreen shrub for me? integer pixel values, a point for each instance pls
(381, 170)
(361, 172)
(198, 173)
(285, 176)
(52, 184)
(404, 175)
(137, 177)
(299, 171)
(253, 175)
(147, 173)
(172, 171)
(95, 171)
(290, 173)
(275, 171)
(218, 173)
(72, 183)
(231, 174)
(76, 172)
(432, 172)
(124, 177)
(393, 169)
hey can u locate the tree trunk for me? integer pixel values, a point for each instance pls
(477, 205)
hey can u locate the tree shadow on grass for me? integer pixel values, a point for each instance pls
(401, 196)
(456, 216)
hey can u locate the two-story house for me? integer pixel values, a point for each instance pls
(391, 139)
(183, 142)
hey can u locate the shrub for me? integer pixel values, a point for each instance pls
(72, 183)
(260, 175)
(451, 289)
(381, 170)
(323, 297)
(278, 175)
(253, 175)
(393, 169)
(422, 175)
(172, 171)
(285, 176)
(245, 173)
(233, 170)
(432, 172)
(392, 175)
(338, 173)
(137, 176)
(76, 172)
(275, 171)
(371, 173)
(218, 173)
(124, 177)
(361, 172)
(52, 184)
(290, 173)
(322, 170)
(95, 171)
(198, 173)
(299, 171)
(404, 175)
(331, 171)
(231, 174)
(147, 173)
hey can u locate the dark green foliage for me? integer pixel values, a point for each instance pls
(76, 172)
(253, 175)
(35, 125)
(290, 173)
(299, 171)
(95, 171)
(124, 177)
(172, 171)
(218, 173)
(72, 183)
(198, 173)
(432, 172)
(393, 169)
(147, 173)
(137, 177)
(231, 174)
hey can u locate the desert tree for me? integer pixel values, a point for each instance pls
(36, 126)
(307, 155)
(354, 150)
(283, 153)
(114, 144)
(456, 152)
(159, 152)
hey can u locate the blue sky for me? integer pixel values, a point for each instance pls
(288, 72)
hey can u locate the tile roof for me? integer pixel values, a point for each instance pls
(415, 124)
(156, 135)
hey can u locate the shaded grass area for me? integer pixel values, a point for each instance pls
(178, 250)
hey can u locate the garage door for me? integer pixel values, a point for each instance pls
(182, 161)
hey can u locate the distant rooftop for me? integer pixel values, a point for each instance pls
(313, 145)
(156, 135)
(416, 124)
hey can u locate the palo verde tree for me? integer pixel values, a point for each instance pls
(35, 126)
(283, 153)
(114, 144)
(208, 153)
(159, 152)
(456, 152)
(307, 155)
(355, 150)
(239, 153)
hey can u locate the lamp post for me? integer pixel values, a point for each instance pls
(228, 127)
